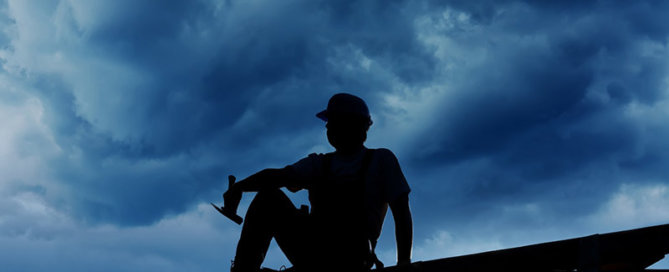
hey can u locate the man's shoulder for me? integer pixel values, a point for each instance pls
(382, 150)
(310, 165)
(319, 155)
(315, 159)
(383, 153)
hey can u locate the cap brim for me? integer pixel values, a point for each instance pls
(323, 115)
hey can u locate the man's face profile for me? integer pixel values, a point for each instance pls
(346, 133)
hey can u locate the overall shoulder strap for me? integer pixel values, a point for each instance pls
(366, 159)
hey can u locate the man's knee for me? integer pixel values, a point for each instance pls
(271, 199)
(271, 196)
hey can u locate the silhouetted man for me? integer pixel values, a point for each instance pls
(349, 192)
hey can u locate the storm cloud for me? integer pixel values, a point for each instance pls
(515, 121)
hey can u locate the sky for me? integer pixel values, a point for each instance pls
(515, 122)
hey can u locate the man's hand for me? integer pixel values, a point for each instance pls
(232, 196)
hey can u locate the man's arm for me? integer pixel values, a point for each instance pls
(269, 178)
(263, 180)
(403, 228)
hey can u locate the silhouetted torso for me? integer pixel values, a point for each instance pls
(335, 179)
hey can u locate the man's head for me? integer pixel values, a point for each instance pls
(348, 120)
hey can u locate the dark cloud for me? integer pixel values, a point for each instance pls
(186, 76)
(500, 111)
(545, 119)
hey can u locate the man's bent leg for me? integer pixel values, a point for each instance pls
(296, 239)
(270, 211)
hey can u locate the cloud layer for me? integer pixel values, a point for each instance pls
(515, 121)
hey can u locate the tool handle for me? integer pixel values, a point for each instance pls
(232, 212)
(231, 181)
(230, 209)
(235, 218)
